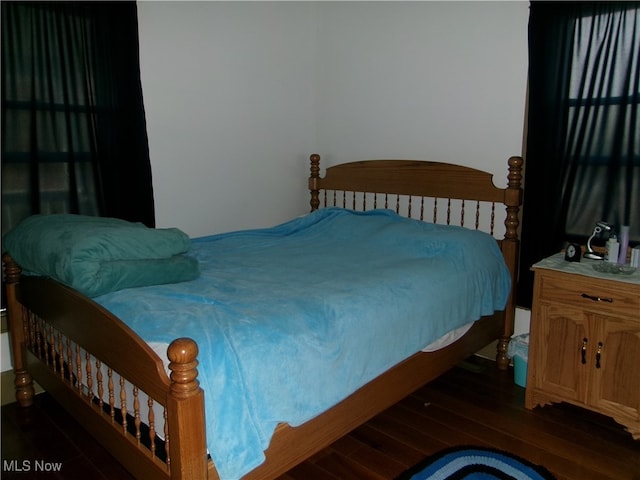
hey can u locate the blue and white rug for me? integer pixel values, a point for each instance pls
(476, 463)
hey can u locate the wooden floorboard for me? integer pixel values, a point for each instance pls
(473, 404)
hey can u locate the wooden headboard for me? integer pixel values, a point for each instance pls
(353, 184)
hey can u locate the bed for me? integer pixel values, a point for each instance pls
(148, 409)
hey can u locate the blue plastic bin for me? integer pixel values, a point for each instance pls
(518, 350)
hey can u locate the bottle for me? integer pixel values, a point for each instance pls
(635, 256)
(624, 244)
(611, 249)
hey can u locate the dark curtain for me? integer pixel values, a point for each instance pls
(583, 141)
(73, 125)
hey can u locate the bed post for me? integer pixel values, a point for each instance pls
(313, 181)
(23, 381)
(511, 252)
(185, 405)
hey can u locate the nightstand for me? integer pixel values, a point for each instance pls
(584, 345)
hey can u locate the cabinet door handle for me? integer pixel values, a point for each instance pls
(598, 354)
(596, 298)
(583, 350)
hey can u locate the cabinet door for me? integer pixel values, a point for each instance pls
(616, 383)
(562, 358)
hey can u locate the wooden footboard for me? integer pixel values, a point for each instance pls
(107, 377)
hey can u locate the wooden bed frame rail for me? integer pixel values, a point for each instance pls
(75, 349)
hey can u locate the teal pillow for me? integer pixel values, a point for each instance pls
(97, 255)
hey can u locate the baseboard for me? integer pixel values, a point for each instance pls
(8, 389)
(489, 351)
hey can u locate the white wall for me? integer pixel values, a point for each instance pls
(440, 81)
(238, 94)
(228, 90)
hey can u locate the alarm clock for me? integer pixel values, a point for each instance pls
(572, 252)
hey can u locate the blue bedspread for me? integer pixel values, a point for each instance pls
(292, 319)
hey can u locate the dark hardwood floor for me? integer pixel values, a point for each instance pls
(470, 405)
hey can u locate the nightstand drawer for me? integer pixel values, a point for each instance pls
(596, 296)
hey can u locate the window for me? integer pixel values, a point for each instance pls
(582, 160)
(603, 115)
(73, 126)
(48, 79)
